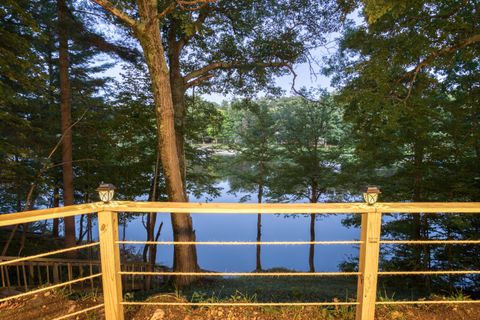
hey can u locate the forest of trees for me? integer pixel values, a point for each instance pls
(403, 111)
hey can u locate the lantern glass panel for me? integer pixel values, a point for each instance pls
(370, 198)
(103, 195)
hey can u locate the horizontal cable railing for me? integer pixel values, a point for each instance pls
(243, 274)
(240, 243)
(39, 259)
(70, 315)
(242, 304)
(426, 272)
(369, 245)
(229, 208)
(46, 254)
(422, 242)
(31, 292)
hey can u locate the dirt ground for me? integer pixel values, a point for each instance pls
(50, 305)
(422, 312)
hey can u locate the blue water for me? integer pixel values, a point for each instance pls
(217, 227)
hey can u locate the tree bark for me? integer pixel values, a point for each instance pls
(178, 99)
(65, 107)
(185, 258)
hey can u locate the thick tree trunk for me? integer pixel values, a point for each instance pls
(179, 107)
(185, 259)
(65, 107)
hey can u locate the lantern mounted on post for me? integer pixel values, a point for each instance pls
(106, 192)
(371, 195)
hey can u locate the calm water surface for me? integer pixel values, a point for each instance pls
(217, 227)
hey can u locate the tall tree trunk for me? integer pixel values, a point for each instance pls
(476, 135)
(311, 255)
(150, 252)
(56, 204)
(179, 106)
(51, 101)
(65, 107)
(259, 229)
(313, 218)
(185, 258)
(421, 255)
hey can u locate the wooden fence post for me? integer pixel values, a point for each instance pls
(368, 265)
(110, 262)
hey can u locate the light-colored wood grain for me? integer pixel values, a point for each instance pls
(429, 207)
(110, 256)
(7, 219)
(239, 208)
(294, 208)
(110, 261)
(368, 265)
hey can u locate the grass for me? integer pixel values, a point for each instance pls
(263, 289)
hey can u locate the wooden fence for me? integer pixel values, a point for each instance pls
(370, 241)
(36, 272)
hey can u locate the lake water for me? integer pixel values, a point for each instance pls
(217, 227)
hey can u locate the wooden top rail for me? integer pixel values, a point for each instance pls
(428, 207)
(293, 208)
(239, 208)
(52, 213)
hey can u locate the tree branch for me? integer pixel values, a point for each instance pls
(193, 5)
(92, 39)
(431, 57)
(204, 11)
(122, 16)
(434, 55)
(167, 10)
(198, 80)
(231, 65)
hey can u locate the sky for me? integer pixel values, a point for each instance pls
(305, 78)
